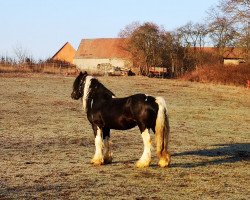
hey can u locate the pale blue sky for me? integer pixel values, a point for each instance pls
(41, 27)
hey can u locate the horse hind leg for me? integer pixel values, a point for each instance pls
(98, 157)
(162, 149)
(145, 159)
(162, 140)
(162, 130)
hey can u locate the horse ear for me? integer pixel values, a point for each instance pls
(83, 73)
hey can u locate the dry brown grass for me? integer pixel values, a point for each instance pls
(46, 142)
(47, 69)
(222, 74)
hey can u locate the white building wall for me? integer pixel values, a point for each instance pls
(231, 61)
(90, 64)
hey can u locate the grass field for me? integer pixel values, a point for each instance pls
(46, 142)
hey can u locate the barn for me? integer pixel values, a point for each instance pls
(66, 53)
(102, 54)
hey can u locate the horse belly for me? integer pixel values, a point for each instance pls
(121, 123)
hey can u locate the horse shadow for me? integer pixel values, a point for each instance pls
(221, 154)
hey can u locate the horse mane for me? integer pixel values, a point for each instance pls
(98, 90)
(94, 90)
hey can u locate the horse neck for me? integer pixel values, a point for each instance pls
(99, 91)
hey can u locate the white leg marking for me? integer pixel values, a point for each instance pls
(146, 156)
(98, 157)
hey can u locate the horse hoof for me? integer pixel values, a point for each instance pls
(99, 161)
(163, 163)
(108, 160)
(140, 164)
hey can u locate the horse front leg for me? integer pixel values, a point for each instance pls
(98, 157)
(107, 149)
(145, 159)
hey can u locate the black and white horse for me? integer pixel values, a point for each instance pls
(105, 112)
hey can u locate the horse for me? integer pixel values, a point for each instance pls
(105, 111)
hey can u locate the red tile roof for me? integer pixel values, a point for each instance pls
(228, 52)
(103, 48)
(116, 48)
(65, 53)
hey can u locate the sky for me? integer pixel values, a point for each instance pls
(41, 27)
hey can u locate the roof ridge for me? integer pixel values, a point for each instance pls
(62, 48)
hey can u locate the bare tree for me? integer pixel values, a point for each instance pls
(20, 53)
(229, 24)
(145, 44)
(129, 29)
(193, 38)
(152, 46)
(193, 35)
(222, 31)
(239, 12)
(173, 54)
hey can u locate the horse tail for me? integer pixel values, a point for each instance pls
(162, 130)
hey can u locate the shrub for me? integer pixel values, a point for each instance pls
(224, 74)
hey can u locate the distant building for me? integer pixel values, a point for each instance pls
(102, 54)
(230, 55)
(66, 53)
(233, 56)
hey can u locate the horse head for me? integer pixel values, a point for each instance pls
(78, 85)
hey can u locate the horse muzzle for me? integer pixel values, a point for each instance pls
(75, 96)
